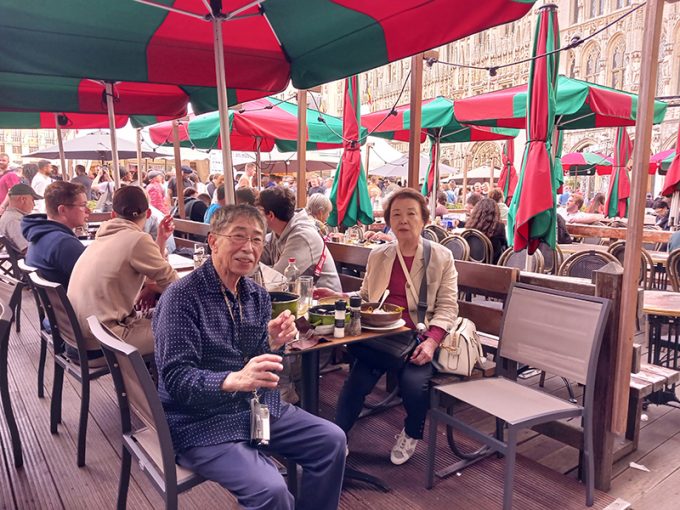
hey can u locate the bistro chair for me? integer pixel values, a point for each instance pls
(618, 249)
(429, 235)
(552, 259)
(481, 249)
(66, 330)
(14, 256)
(530, 335)
(582, 264)
(151, 443)
(45, 335)
(518, 259)
(458, 246)
(440, 232)
(673, 269)
(10, 293)
(5, 263)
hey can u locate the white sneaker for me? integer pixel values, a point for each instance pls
(403, 449)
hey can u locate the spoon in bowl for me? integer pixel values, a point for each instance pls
(383, 298)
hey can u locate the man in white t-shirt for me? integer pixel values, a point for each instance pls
(572, 212)
(40, 182)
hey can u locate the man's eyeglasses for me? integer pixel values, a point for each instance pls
(240, 239)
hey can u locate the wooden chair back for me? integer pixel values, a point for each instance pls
(673, 268)
(440, 232)
(481, 249)
(582, 264)
(618, 249)
(458, 246)
(518, 259)
(552, 259)
(429, 235)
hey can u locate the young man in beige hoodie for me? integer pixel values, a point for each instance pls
(121, 268)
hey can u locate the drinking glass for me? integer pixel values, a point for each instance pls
(199, 255)
(306, 290)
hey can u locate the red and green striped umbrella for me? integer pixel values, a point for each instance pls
(532, 216)
(265, 122)
(619, 184)
(661, 161)
(265, 45)
(579, 105)
(438, 123)
(48, 120)
(586, 163)
(508, 178)
(349, 195)
(672, 179)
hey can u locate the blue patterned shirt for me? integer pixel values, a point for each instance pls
(198, 342)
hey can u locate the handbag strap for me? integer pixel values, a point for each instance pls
(422, 296)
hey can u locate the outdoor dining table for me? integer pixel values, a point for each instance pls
(648, 235)
(663, 309)
(658, 257)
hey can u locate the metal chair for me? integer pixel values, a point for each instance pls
(150, 444)
(66, 329)
(440, 232)
(530, 335)
(458, 246)
(10, 293)
(45, 335)
(582, 265)
(5, 263)
(518, 259)
(429, 235)
(14, 256)
(481, 249)
(673, 269)
(552, 258)
(618, 249)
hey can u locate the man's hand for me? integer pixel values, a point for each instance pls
(165, 229)
(323, 292)
(282, 329)
(423, 352)
(146, 299)
(258, 373)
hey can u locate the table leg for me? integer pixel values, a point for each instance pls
(309, 399)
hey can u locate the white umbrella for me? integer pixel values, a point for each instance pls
(479, 173)
(399, 168)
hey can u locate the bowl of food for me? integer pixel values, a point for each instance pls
(323, 315)
(283, 301)
(377, 318)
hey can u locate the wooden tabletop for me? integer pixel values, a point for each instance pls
(328, 341)
(661, 302)
(648, 235)
(658, 257)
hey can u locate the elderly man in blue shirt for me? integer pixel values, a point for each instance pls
(214, 344)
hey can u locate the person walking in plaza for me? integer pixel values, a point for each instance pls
(216, 348)
(41, 181)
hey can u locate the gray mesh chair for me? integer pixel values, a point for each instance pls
(552, 259)
(10, 292)
(618, 249)
(481, 249)
(150, 444)
(518, 259)
(582, 264)
(531, 336)
(429, 235)
(440, 232)
(66, 329)
(458, 246)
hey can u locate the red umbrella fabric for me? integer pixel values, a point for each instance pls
(673, 175)
(532, 216)
(619, 184)
(349, 195)
(661, 161)
(587, 163)
(508, 179)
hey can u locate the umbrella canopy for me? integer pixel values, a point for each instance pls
(478, 174)
(95, 146)
(399, 168)
(532, 216)
(619, 184)
(661, 161)
(586, 163)
(579, 105)
(278, 163)
(349, 195)
(507, 181)
(48, 120)
(261, 124)
(310, 41)
(673, 174)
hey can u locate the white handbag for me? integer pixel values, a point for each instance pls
(460, 351)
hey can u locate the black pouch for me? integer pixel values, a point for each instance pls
(389, 353)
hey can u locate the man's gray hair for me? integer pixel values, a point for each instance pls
(318, 203)
(224, 216)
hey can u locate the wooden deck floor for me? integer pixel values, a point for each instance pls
(50, 478)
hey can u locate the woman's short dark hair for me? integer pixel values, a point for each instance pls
(245, 195)
(403, 194)
(61, 193)
(278, 200)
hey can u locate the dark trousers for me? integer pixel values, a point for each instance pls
(250, 475)
(414, 385)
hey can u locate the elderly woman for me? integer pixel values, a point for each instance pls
(319, 208)
(392, 266)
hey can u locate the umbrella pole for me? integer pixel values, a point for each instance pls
(60, 142)
(463, 193)
(493, 163)
(139, 156)
(435, 181)
(224, 113)
(112, 131)
(416, 109)
(302, 149)
(179, 178)
(258, 169)
(631, 264)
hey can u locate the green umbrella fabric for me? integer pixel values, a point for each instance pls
(579, 105)
(586, 163)
(309, 41)
(661, 161)
(619, 184)
(349, 194)
(49, 120)
(532, 215)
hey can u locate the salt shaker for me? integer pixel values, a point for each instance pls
(340, 311)
(354, 328)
